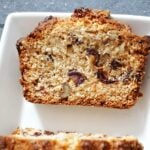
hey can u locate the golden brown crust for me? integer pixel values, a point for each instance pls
(89, 102)
(105, 145)
(110, 58)
(100, 16)
(12, 143)
(32, 139)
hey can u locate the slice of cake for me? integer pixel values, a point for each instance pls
(86, 59)
(32, 139)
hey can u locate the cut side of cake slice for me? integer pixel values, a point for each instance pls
(33, 139)
(86, 59)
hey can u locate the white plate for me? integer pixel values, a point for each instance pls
(15, 111)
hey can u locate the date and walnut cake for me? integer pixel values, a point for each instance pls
(86, 59)
(33, 139)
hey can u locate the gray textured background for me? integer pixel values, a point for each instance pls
(134, 7)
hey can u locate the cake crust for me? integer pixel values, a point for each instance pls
(32, 139)
(88, 59)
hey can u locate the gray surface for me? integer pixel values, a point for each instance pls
(135, 7)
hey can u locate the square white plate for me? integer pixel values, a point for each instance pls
(15, 111)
